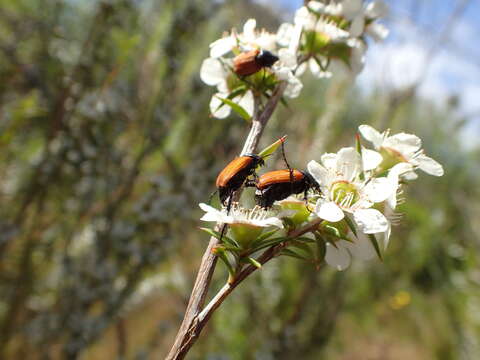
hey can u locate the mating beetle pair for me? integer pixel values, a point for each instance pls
(271, 186)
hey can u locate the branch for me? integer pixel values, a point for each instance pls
(185, 338)
(201, 320)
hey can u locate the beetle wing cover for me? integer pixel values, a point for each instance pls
(232, 169)
(246, 63)
(278, 176)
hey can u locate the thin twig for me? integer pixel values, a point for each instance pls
(201, 320)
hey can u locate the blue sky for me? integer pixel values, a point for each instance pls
(416, 25)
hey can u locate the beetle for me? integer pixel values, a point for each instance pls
(234, 175)
(280, 184)
(252, 61)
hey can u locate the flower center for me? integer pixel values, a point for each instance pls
(344, 193)
(391, 158)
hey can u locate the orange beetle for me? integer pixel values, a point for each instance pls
(280, 184)
(250, 62)
(232, 177)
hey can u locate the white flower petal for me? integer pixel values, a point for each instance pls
(372, 135)
(376, 9)
(377, 31)
(319, 173)
(379, 189)
(246, 101)
(351, 8)
(212, 214)
(294, 87)
(371, 159)
(329, 211)
(384, 238)
(217, 109)
(271, 221)
(212, 72)
(284, 34)
(357, 26)
(329, 160)
(361, 248)
(287, 58)
(249, 30)
(348, 163)
(370, 221)
(406, 144)
(222, 46)
(429, 165)
(337, 257)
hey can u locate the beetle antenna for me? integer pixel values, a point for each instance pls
(288, 166)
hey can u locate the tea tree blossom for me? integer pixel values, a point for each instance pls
(401, 148)
(334, 34)
(245, 224)
(217, 70)
(343, 190)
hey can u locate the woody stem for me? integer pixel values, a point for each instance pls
(189, 329)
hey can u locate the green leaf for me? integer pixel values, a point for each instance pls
(288, 252)
(333, 231)
(254, 262)
(222, 256)
(303, 247)
(321, 249)
(270, 149)
(351, 225)
(217, 235)
(374, 242)
(271, 242)
(284, 102)
(263, 236)
(305, 239)
(235, 107)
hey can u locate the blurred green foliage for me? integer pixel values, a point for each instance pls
(106, 149)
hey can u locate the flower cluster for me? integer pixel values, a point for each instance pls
(333, 40)
(356, 202)
(328, 38)
(218, 69)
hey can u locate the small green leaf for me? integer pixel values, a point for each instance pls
(351, 225)
(263, 236)
(288, 252)
(270, 149)
(302, 247)
(217, 235)
(333, 231)
(235, 107)
(254, 262)
(271, 242)
(305, 239)
(284, 102)
(222, 256)
(321, 250)
(374, 242)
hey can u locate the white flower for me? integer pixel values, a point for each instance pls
(216, 72)
(343, 190)
(255, 217)
(249, 39)
(401, 148)
(245, 225)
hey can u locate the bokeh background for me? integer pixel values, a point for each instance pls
(107, 147)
